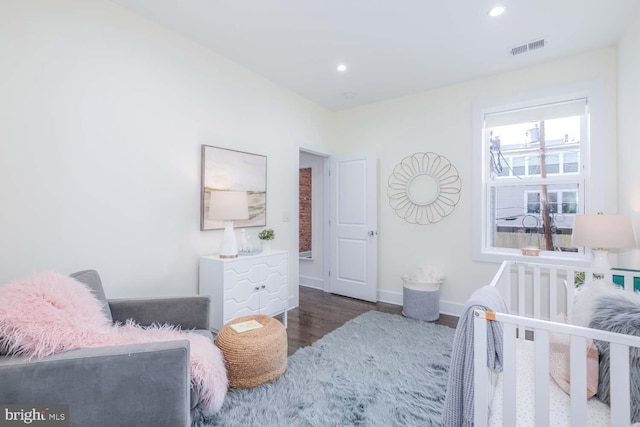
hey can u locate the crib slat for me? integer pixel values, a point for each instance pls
(542, 377)
(521, 293)
(481, 379)
(521, 298)
(509, 375)
(507, 289)
(553, 293)
(620, 400)
(536, 292)
(578, 375)
(571, 290)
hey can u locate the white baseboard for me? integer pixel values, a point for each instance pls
(292, 303)
(312, 282)
(390, 297)
(446, 307)
(451, 308)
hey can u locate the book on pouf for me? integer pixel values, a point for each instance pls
(249, 325)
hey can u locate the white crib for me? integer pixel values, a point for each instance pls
(534, 294)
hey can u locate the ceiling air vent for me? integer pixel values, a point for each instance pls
(524, 48)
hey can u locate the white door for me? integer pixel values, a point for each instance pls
(354, 219)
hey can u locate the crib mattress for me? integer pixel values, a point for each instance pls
(560, 403)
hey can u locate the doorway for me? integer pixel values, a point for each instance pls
(312, 219)
(341, 258)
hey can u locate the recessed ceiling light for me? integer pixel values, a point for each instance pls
(496, 11)
(341, 67)
(349, 95)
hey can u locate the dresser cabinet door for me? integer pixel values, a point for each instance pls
(274, 296)
(256, 285)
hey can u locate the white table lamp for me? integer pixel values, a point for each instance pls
(228, 206)
(601, 233)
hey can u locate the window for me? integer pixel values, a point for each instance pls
(569, 162)
(517, 168)
(559, 202)
(534, 165)
(552, 163)
(531, 160)
(569, 202)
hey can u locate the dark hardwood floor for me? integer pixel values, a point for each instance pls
(320, 313)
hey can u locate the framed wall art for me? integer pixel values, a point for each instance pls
(231, 170)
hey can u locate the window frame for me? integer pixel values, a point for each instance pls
(591, 176)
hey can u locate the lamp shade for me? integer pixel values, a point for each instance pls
(603, 232)
(228, 205)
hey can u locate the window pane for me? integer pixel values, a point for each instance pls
(552, 202)
(522, 144)
(533, 202)
(516, 226)
(518, 166)
(552, 163)
(569, 202)
(534, 165)
(499, 165)
(570, 162)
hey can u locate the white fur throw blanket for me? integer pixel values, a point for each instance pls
(49, 312)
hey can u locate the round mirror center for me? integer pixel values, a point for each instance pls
(423, 189)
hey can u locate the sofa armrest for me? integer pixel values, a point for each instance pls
(137, 384)
(186, 312)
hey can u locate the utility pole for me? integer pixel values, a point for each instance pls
(544, 206)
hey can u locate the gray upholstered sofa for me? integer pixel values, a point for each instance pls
(129, 385)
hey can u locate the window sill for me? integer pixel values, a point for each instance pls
(305, 256)
(545, 257)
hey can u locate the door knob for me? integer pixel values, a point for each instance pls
(372, 233)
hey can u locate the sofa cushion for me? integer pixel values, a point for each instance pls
(91, 278)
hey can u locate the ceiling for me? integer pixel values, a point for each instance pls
(391, 48)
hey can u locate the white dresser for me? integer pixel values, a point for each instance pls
(248, 284)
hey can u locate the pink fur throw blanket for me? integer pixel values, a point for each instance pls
(50, 312)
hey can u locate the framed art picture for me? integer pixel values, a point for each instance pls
(231, 170)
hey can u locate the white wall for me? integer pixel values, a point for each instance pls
(441, 121)
(103, 112)
(629, 133)
(311, 270)
(102, 115)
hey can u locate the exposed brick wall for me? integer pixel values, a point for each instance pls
(305, 210)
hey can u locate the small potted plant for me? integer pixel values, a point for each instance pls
(266, 236)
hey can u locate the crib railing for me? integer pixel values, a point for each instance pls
(542, 291)
(536, 293)
(619, 369)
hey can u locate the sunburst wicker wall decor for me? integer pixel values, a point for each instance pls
(431, 208)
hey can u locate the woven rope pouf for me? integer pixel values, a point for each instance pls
(254, 357)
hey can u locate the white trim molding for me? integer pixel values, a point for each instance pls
(312, 282)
